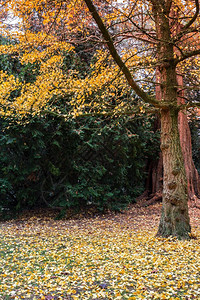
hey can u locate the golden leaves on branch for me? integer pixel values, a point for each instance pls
(104, 87)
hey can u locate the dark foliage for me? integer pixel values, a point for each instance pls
(73, 164)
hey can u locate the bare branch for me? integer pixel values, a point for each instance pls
(145, 97)
(188, 55)
(194, 17)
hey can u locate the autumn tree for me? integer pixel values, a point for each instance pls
(141, 37)
(174, 219)
(193, 180)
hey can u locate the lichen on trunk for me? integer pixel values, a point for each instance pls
(175, 218)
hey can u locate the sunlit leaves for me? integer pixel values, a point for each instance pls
(34, 47)
(49, 29)
(47, 53)
(31, 97)
(8, 84)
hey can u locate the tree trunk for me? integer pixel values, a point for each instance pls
(192, 175)
(154, 169)
(174, 219)
(154, 182)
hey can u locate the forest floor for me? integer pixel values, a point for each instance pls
(113, 256)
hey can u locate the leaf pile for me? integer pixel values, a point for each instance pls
(107, 257)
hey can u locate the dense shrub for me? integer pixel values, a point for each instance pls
(72, 164)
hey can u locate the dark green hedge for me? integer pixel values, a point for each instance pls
(73, 164)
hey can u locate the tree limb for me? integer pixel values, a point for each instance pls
(145, 97)
(194, 17)
(188, 55)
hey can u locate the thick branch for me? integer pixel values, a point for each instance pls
(188, 55)
(145, 97)
(194, 104)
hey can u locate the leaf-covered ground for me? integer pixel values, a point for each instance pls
(107, 257)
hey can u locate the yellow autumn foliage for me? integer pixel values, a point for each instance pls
(109, 257)
(93, 93)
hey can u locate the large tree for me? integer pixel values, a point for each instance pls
(141, 37)
(175, 219)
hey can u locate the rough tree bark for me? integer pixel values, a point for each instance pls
(193, 180)
(174, 218)
(154, 186)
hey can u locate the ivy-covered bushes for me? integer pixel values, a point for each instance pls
(73, 164)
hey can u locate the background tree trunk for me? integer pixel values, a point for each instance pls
(193, 180)
(153, 186)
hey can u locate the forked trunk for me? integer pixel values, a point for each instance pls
(174, 219)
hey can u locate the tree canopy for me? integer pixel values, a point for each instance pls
(131, 36)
